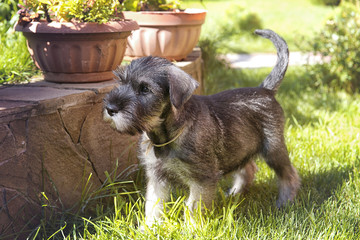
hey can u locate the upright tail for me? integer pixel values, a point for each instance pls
(274, 79)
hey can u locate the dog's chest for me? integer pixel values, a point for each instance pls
(166, 166)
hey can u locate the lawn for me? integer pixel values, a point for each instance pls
(295, 20)
(16, 64)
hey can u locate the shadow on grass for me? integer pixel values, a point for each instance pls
(316, 189)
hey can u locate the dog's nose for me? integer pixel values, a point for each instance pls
(111, 111)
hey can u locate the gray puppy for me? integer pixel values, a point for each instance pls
(195, 140)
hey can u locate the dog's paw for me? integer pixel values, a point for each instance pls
(234, 191)
(288, 191)
(142, 228)
(147, 226)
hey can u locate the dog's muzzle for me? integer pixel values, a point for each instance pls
(111, 110)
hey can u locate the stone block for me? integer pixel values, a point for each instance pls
(73, 119)
(58, 159)
(16, 169)
(16, 212)
(105, 146)
(8, 146)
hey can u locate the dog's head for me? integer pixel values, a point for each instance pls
(148, 86)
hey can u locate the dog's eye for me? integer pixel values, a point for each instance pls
(144, 89)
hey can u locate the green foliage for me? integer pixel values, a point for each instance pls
(7, 9)
(100, 11)
(238, 23)
(327, 2)
(216, 68)
(340, 41)
(93, 11)
(240, 20)
(355, 2)
(16, 64)
(150, 5)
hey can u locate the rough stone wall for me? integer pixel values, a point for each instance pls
(52, 137)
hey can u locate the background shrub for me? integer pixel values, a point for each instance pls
(7, 9)
(327, 2)
(340, 40)
(238, 24)
(239, 20)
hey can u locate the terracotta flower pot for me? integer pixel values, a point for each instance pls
(171, 35)
(77, 52)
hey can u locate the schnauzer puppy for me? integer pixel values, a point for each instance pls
(194, 140)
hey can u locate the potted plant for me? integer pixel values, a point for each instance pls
(165, 30)
(76, 40)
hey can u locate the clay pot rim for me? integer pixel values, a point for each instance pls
(190, 16)
(187, 11)
(78, 27)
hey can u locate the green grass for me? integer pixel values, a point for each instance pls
(295, 20)
(16, 64)
(322, 134)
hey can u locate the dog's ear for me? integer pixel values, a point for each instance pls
(181, 86)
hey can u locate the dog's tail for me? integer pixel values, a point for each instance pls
(274, 79)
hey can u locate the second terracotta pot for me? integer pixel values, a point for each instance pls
(171, 35)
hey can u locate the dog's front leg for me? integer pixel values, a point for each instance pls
(156, 193)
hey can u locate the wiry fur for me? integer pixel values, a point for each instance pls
(214, 135)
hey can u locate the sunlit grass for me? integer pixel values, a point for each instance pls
(295, 20)
(16, 64)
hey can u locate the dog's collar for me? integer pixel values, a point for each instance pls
(166, 143)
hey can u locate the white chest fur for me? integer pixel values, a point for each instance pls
(169, 165)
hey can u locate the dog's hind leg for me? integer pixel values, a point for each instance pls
(277, 157)
(243, 178)
(201, 193)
